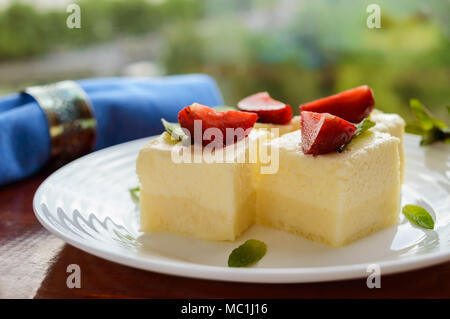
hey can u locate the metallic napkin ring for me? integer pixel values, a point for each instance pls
(71, 121)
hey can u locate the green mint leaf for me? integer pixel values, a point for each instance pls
(361, 127)
(174, 129)
(419, 216)
(424, 116)
(414, 128)
(134, 193)
(447, 136)
(434, 135)
(247, 254)
(424, 119)
(430, 128)
(225, 108)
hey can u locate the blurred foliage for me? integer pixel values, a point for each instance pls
(26, 30)
(298, 51)
(324, 48)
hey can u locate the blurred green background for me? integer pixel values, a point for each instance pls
(298, 50)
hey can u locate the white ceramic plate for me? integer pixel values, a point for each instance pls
(87, 204)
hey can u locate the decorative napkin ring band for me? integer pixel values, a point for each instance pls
(71, 122)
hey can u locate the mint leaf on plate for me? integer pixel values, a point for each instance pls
(134, 193)
(361, 127)
(174, 129)
(419, 216)
(247, 254)
(430, 128)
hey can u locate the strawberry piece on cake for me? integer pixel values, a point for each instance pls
(217, 119)
(352, 105)
(323, 133)
(268, 109)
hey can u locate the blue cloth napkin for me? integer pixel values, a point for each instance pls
(125, 109)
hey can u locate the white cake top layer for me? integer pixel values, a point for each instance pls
(387, 122)
(291, 142)
(242, 151)
(164, 142)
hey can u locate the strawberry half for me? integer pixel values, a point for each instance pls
(268, 109)
(323, 133)
(216, 119)
(352, 105)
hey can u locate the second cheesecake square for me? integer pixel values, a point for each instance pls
(334, 198)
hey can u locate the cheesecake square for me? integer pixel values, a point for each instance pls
(335, 198)
(207, 200)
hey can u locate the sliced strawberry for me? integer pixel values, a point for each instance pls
(217, 119)
(352, 105)
(323, 133)
(268, 109)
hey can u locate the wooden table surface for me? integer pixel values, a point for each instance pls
(33, 264)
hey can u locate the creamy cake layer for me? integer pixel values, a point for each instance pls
(331, 197)
(180, 215)
(206, 200)
(326, 225)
